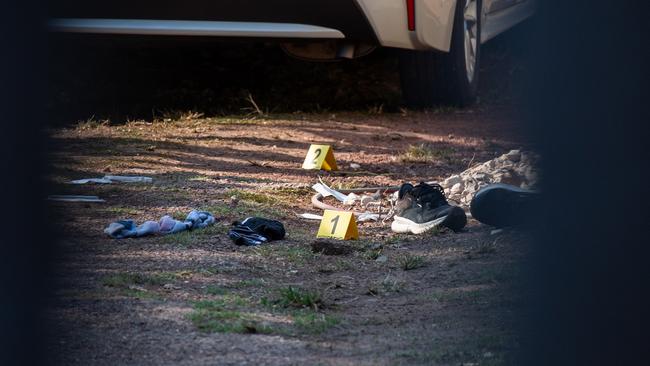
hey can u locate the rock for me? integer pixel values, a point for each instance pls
(355, 166)
(381, 259)
(514, 155)
(516, 168)
(512, 179)
(375, 198)
(457, 188)
(482, 176)
(451, 181)
(330, 247)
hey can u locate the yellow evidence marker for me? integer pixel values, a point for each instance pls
(320, 157)
(338, 225)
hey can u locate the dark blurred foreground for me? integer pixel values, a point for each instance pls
(587, 108)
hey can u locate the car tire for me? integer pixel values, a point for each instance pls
(431, 78)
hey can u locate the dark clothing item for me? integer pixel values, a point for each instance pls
(503, 205)
(255, 231)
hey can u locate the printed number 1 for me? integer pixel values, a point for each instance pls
(334, 221)
(317, 152)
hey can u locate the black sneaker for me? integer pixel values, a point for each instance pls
(424, 207)
(504, 205)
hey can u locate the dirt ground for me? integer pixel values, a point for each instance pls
(195, 298)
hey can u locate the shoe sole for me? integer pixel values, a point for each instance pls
(402, 225)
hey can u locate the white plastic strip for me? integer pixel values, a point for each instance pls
(191, 28)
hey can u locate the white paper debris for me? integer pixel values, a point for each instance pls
(92, 180)
(128, 179)
(309, 216)
(351, 199)
(108, 179)
(70, 198)
(327, 191)
(368, 216)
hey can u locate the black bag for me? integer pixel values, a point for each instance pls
(256, 230)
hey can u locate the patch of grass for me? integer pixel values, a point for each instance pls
(313, 322)
(285, 197)
(91, 123)
(295, 254)
(387, 285)
(124, 280)
(178, 115)
(200, 178)
(248, 283)
(295, 297)
(215, 290)
(235, 120)
(435, 231)
(343, 265)
(261, 198)
(215, 320)
(425, 153)
(223, 302)
(211, 271)
(243, 209)
(190, 237)
(372, 254)
(170, 193)
(339, 185)
(178, 215)
(122, 211)
(298, 255)
(291, 194)
(487, 247)
(219, 316)
(408, 262)
(396, 239)
(139, 294)
(183, 239)
(222, 209)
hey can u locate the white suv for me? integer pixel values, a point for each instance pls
(441, 38)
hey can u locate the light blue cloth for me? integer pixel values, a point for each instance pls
(167, 225)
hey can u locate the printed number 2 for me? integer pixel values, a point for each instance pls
(334, 221)
(317, 153)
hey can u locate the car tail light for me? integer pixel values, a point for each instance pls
(410, 13)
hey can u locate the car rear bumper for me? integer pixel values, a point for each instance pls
(227, 18)
(193, 28)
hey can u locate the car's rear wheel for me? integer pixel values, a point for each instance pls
(432, 78)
